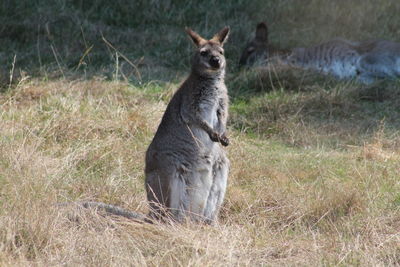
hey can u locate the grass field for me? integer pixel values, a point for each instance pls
(315, 163)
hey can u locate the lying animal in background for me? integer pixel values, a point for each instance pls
(336, 57)
(364, 61)
(259, 51)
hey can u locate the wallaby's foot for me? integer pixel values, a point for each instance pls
(224, 140)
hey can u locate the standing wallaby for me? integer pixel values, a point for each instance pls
(186, 167)
(259, 51)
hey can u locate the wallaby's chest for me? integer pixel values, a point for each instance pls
(208, 100)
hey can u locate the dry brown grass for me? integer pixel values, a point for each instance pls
(315, 162)
(286, 205)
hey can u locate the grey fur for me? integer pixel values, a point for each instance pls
(338, 57)
(381, 59)
(365, 61)
(186, 167)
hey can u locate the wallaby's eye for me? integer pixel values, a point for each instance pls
(221, 52)
(203, 53)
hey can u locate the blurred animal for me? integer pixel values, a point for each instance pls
(338, 57)
(186, 167)
(379, 59)
(365, 61)
(258, 51)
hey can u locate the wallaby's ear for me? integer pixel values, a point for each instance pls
(262, 32)
(196, 38)
(221, 36)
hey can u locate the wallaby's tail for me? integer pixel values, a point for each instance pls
(111, 209)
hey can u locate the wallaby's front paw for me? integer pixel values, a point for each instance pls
(224, 140)
(214, 137)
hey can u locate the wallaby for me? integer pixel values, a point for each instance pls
(366, 61)
(338, 57)
(186, 168)
(259, 51)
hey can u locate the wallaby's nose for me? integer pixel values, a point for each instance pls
(215, 62)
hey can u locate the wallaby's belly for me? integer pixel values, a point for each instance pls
(343, 69)
(204, 185)
(342, 63)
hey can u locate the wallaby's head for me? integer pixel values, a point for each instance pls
(256, 51)
(209, 57)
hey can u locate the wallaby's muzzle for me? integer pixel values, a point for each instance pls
(215, 62)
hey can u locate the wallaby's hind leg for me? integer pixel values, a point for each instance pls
(377, 66)
(162, 185)
(183, 194)
(198, 188)
(178, 197)
(218, 188)
(157, 195)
